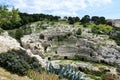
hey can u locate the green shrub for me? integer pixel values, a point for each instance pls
(61, 38)
(52, 23)
(101, 29)
(85, 25)
(19, 33)
(18, 62)
(79, 32)
(77, 56)
(116, 38)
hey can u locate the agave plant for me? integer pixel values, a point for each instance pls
(67, 71)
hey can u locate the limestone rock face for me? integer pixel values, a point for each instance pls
(32, 43)
(106, 51)
(89, 46)
(58, 31)
(8, 43)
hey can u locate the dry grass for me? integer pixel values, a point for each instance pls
(5, 75)
(43, 76)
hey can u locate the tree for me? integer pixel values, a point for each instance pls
(15, 18)
(8, 18)
(102, 20)
(65, 17)
(85, 19)
(77, 19)
(4, 15)
(98, 20)
(27, 18)
(95, 19)
(109, 23)
(70, 20)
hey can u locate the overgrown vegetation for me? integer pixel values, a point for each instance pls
(79, 32)
(19, 33)
(28, 18)
(14, 19)
(72, 20)
(9, 19)
(19, 62)
(115, 35)
(101, 29)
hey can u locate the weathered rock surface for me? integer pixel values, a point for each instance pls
(115, 22)
(89, 46)
(99, 48)
(8, 43)
(31, 42)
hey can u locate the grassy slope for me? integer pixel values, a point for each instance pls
(5, 75)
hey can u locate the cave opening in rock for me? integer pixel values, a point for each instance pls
(82, 59)
(79, 68)
(35, 47)
(41, 36)
(55, 51)
(49, 58)
(102, 61)
(65, 57)
(91, 55)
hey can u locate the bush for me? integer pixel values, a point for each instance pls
(79, 32)
(85, 25)
(61, 38)
(101, 29)
(18, 62)
(77, 56)
(19, 33)
(11, 33)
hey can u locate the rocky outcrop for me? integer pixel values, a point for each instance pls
(31, 42)
(105, 52)
(8, 43)
(115, 22)
(38, 42)
(89, 46)
(42, 61)
(58, 31)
